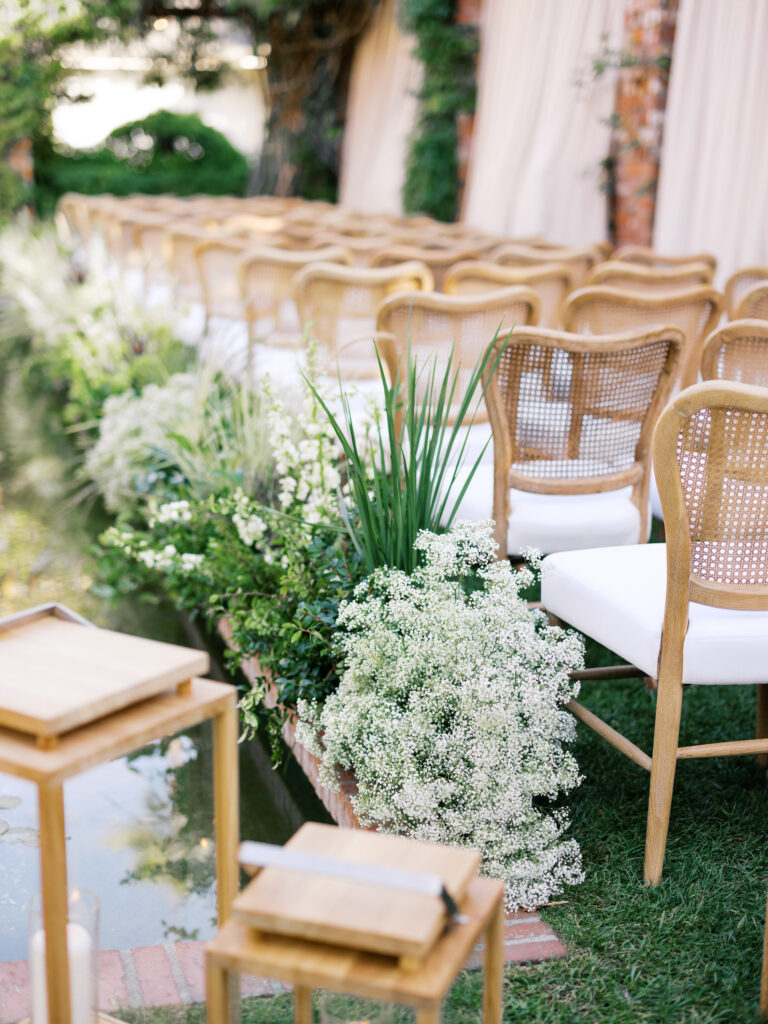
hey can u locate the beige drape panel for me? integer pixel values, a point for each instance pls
(380, 116)
(540, 136)
(713, 186)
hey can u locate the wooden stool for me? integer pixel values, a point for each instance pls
(309, 965)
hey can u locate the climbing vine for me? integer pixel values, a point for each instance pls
(447, 51)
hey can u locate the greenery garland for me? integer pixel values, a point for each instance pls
(447, 52)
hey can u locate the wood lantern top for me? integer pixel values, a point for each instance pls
(359, 915)
(56, 673)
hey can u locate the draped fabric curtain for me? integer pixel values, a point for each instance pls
(381, 112)
(541, 126)
(713, 185)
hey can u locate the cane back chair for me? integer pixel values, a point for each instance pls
(739, 284)
(738, 351)
(579, 258)
(438, 258)
(648, 257)
(217, 259)
(636, 276)
(341, 303)
(434, 326)
(572, 418)
(753, 304)
(266, 278)
(551, 282)
(603, 310)
(693, 611)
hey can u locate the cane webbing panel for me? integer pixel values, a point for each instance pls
(576, 414)
(754, 303)
(738, 284)
(436, 326)
(738, 352)
(603, 310)
(722, 458)
(267, 278)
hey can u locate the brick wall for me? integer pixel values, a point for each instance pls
(641, 95)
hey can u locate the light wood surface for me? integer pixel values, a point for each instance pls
(350, 913)
(311, 965)
(57, 675)
(111, 737)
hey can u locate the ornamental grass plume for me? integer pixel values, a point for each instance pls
(450, 713)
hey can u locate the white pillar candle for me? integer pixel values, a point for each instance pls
(80, 950)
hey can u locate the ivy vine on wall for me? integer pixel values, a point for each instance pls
(447, 52)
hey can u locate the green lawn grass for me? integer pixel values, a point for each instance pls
(686, 952)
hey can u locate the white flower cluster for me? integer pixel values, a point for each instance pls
(307, 453)
(450, 713)
(132, 431)
(250, 527)
(165, 559)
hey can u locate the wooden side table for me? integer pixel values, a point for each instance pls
(308, 965)
(120, 733)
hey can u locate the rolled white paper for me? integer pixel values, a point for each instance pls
(80, 951)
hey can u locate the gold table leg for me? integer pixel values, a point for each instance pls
(494, 966)
(53, 872)
(226, 818)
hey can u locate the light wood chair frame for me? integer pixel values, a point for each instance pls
(683, 587)
(646, 303)
(499, 275)
(644, 254)
(734, 289)
(636, 476)
(727, 335)
(755, 298)
(438, 259)
(623, 274)
(580, 258)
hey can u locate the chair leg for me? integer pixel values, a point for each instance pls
(663, 763)
(761, 732)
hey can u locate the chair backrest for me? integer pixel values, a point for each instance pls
(218, 262)
(739, 284)
(602, 310)
(753, 303)
(550, 281)
(639, 277)
(710, 453)
(341, 302)
(579, 258)
(738, 351)
(573, 414)
(433, 326)
(265, 281)
(439, 259)
(648, 257)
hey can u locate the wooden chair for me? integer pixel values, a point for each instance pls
(753, 304)
(580, 259)
(646, 256)
(218, 260)
(693, 611)
(602, 310)
(551, 282)
(439, 259)
(572, 418)
(738, 351)
(265, 282)
(341, 303)
(435, 325)
(739, 284)
(622, 274)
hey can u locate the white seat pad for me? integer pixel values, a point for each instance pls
(553, 522)
(616, 595)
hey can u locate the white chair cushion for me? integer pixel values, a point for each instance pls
(616, 595)
(553, 522)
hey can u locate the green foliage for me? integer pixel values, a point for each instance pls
(409, 485)
(447, 52)
(164, 152)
